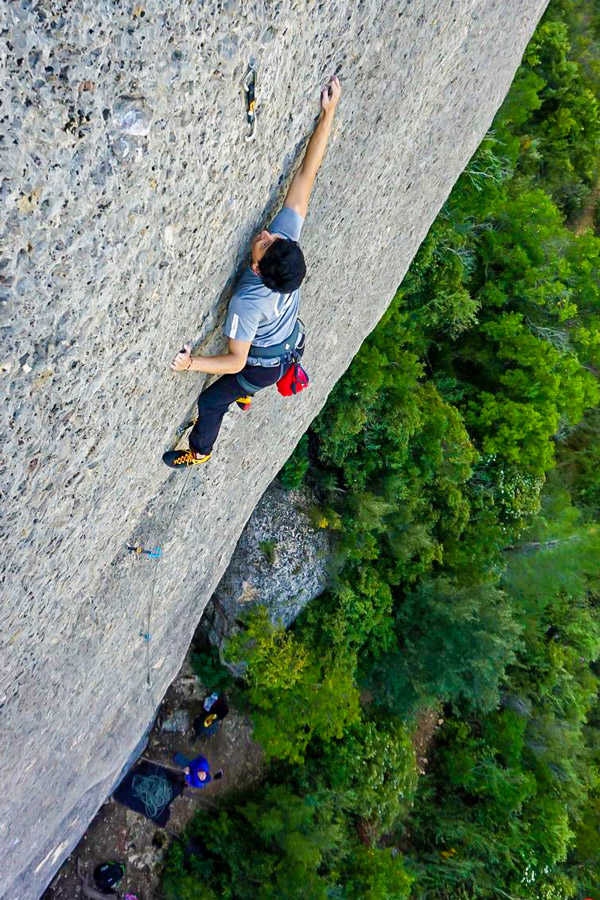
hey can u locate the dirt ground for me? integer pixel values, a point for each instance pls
(120, 834)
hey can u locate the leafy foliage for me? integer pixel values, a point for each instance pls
(278, 845)
(294, 470)
(510, 789)
(207, 666)
(370, 772)
(295, 693)
(271, 846)
(454, 645)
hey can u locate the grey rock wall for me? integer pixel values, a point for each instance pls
(128, 196)
(281, 562)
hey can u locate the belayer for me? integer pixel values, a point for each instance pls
(266, 339)
(196, 771)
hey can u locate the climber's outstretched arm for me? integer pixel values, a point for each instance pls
(298, 194)
(225, 364)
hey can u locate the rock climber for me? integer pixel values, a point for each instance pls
(262, 323)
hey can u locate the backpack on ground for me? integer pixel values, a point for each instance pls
(108, 875)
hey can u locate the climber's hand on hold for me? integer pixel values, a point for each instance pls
(330, 94)
(182, 361)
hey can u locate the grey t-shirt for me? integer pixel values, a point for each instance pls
(258, 314)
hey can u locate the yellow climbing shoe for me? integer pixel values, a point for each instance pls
(183, 459)
(244, 403)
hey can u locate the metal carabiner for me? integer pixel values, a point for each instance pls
(249, 86)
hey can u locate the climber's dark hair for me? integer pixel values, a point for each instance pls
(282, 268)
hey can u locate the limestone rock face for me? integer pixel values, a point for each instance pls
(281, 562)
(127, 200)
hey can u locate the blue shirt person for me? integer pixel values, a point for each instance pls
(196, 771)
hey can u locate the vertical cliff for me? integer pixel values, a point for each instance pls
(127, 200)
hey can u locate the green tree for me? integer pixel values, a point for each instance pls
(274, 846)
(369, 773)
(277, 845)
(294, 692)
(376, 874)
(453, 645)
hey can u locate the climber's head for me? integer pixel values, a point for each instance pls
(278, 261)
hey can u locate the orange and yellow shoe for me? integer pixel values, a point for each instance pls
(183, 459)
(244, 403)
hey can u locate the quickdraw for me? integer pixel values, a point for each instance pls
(155, 554)
(249, 86)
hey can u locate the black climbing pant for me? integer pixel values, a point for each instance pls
(216, 400)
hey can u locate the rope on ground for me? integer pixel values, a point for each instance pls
(195, 797)
(163, 765)
(154, 791)
(147, 635)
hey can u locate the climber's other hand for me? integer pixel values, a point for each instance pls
(181, 361)
(331, 93)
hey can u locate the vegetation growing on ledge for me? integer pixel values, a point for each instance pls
(457, 460)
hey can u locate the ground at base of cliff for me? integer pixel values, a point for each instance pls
(128, 837)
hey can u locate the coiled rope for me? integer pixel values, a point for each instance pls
(154, 791)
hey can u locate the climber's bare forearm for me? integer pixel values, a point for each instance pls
(229, 363)
(300, 189)
(226, 364)
(317, 145)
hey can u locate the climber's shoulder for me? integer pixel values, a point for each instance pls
(288, 223)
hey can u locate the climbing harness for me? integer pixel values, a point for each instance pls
(249, 86)
(154, 791)
(155, 554)
(283, 349)
(286, 353)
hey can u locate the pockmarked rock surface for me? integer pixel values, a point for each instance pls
(281, 562)
(128, 196)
